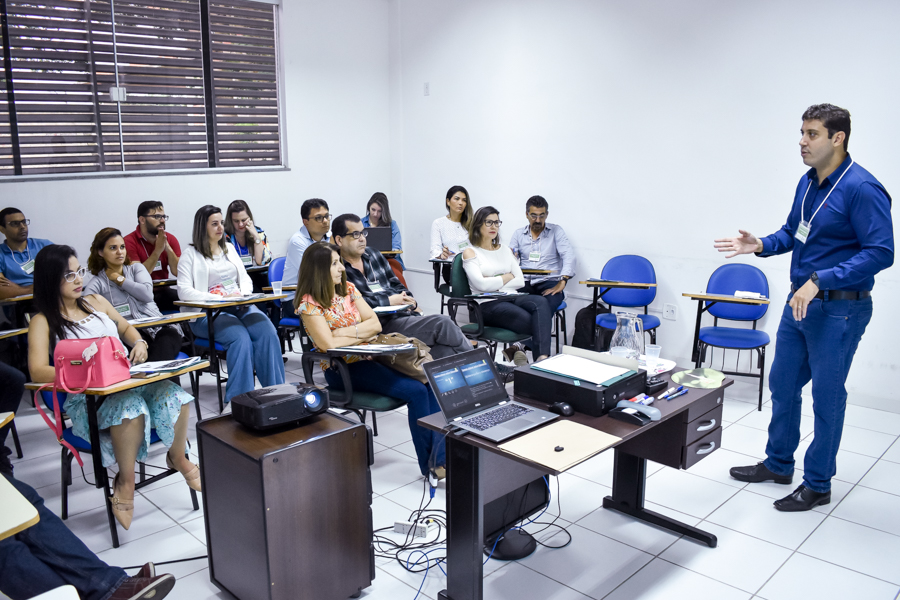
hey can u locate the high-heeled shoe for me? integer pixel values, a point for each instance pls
(192, 477)
(123, 508)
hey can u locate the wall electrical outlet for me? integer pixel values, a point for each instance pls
(427, 89)
(669, 312)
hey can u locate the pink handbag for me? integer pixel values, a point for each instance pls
(82, 364)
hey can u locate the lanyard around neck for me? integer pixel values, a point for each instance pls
(809, 185)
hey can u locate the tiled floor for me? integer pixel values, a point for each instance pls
(846, 550)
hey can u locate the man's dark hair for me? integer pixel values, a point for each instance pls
(536, 202)
(339, 225)
(833, 117)
(145, 207)
(310, 204)
(6, 212)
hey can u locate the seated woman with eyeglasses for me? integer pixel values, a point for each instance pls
(248, 239)
(128, 288)
(126, 418)
(334, 315)
(211, 269)
(491, 267)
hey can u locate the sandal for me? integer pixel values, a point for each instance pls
(192, 477)
(123, 508)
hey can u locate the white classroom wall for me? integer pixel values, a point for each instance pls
(650, 126)
(335, 65)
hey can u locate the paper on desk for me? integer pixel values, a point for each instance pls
(376, 348)
(578, 443)
(580, 368)
(165, 365)
(391, 309)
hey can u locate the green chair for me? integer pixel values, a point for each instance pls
(492, 336)
(360, 403)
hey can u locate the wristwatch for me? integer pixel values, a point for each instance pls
(814, 278)
(120, 279)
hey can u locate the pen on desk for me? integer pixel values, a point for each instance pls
(671, 390)
(681, 393)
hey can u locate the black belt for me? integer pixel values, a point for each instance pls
(840, 294)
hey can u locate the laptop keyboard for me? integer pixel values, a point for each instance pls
(497, 416)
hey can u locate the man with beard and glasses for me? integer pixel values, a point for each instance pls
(158, 251)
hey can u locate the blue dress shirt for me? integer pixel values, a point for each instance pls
(396, 242)
(11, 263)
(552, 243)
(298, 244)
(850, 239)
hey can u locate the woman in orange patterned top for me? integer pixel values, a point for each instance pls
(335, 315)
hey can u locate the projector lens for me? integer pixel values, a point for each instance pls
(313, 400)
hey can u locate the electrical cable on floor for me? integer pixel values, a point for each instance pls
(169, 562)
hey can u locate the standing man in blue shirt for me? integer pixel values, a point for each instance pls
(17, 254)
(840, 234)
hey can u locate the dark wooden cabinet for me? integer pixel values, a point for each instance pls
(683, 440)
(288, 514)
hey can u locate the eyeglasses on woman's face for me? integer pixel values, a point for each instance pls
(71, 276)
(493, 223)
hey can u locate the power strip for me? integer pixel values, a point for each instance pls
(418, 529)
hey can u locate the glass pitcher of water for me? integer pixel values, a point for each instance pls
(629, 335)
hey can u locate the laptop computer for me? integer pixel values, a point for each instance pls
(472, 397)
(379, 238)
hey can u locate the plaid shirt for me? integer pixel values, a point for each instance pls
(376, 269)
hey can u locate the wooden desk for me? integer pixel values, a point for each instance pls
(94, 397)
(392, 253)
(18, 513)
(12, 333)
(167, 320)
(212, 310)
(20, 305)
(709, 300)
(536, 271)
(284, 288)
(164, 282)
(690, 429)
(257, 269)
(6, 418)
(601, 287)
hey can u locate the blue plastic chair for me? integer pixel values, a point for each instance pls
(559, 325)
(286, 325)
(726, 280)
(633, 269)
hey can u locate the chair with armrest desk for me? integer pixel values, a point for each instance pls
(689, 430)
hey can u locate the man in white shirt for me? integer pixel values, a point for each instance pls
(316, 222)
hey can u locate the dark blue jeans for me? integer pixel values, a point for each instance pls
(370, 376)
(47, 555)
(12, 386)
(525, 314)
(554, 300)
(818, 348)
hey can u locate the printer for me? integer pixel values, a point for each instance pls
(585, 397)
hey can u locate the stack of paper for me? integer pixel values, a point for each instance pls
(377, 348)
(391, 309)
(165, 365)
(580, 368)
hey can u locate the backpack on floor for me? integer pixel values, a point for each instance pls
(584, 322)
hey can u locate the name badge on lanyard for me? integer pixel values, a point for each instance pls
(803, 228)
(28, 267)
(158, 266)
(247, 260)
(534, 256)
(375, 287)
(463, 245)
(124, 310)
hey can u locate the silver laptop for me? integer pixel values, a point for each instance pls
(472, 397)
(379, 238)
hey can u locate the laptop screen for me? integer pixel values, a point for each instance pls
(379, 238)
(465, 382)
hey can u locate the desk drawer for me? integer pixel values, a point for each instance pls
(702, 425)
(701, 407)
(702, 448)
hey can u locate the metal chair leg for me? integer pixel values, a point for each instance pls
(15, 438)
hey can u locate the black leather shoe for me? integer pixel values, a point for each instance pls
(802, 499)
(759, 473)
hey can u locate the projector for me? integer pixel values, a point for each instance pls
(279, 405)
